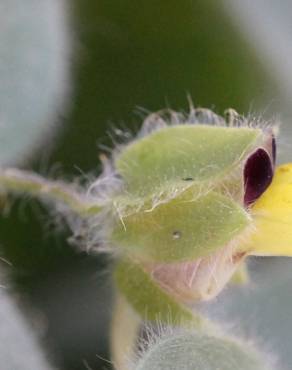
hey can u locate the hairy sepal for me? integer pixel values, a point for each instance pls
(192, 225)
(184, 152)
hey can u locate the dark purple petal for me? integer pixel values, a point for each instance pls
(258, 174)
(274, 149)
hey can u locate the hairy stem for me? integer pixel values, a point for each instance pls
(24, 182)
(124, 333)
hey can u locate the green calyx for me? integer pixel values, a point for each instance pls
(183, 191)
(198, 153)
(184, 228)
(148, 299)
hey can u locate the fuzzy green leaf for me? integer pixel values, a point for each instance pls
(196, 351)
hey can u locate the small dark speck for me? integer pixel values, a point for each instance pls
(188, 179)
(176, 235)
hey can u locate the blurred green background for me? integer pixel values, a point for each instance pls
(127, 58)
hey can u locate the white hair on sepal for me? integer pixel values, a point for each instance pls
(260, 120)
(164, 118)
(204, 116)
(119, 136)
(252, 120)
(153, 122)
(108, 183)
(91, 234)
(168, 117)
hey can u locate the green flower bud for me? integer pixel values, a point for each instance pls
(186, 350)
(184, 190)
(175, 203)
(183, 212)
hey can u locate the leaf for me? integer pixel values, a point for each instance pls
(187, 350)
(33, 71)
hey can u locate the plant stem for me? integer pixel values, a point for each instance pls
(24, 182)
(124, 333)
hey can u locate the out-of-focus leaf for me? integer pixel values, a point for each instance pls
(267, 27)
(19, 349)
(267, 24)
(33, 72)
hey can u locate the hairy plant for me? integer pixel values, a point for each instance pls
(187, 349)
(180, 207)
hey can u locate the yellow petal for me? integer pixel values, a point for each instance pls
(272, 214)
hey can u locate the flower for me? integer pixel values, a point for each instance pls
(272, 217)
(200, 195)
